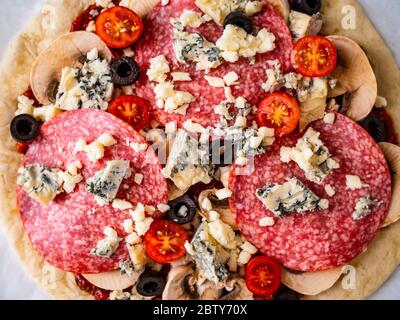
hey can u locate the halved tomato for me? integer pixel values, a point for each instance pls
(119, 27)
(263, 276)
(314, 56)
(132, 109)
(165, 241)
(279, 111)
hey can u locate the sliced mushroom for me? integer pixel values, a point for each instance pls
(174, 192)
(392, 155)
(142, 7)
(354, 75)
(209, 291)
(310, 283)
(180, 284)
(239, 291)
(112, 280)
(311, 110)
(66, 51)
(220, 206)
(282, 6)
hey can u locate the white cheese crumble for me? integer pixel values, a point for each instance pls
(69, 180)
(330, 191)
(354, 183)
(266, 222)
(190, 18)
(180, 76)
(121, 204)
(106, 247)
(362, 208)
(94, 151)
(138, 178)
(143, 226)
(128, 225)
(223, 233)
(236, 43)
(133, 238)
(248, 247)
(312, 156)
(107, 140)
(231, 78)
(138, 214)
(329, 118)
(244, 258)
(159, 69)
(215, 82)
(206, 204)
(163, 207)
(223, 193)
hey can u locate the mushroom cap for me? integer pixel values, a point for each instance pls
(239, 291)
(310, 283)
(354, 75)
(112, 280)
(65, 51)
(175, 286)
(282, 6)
(173, 191)
(220, 206)
(311, 110)
(392, 155)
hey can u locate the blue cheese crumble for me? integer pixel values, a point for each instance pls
(363, 207)
(292, 196)
(106, 247)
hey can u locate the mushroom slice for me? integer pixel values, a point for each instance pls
(66, 51)
(392, 155)
(239, 291)
(209, 291)
(220, 206)
(112, 280)
(282, 6)
(354, 75)
(310, 283)
(142, 7)
(180, 284)
(174, 192)
(311, 110)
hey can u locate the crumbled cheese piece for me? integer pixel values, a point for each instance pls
(159, 68)
(248, 247)
(128, 225)
(329, 118)
(255, 142)
(242, 161)
(354, 183)
(170, 128)
(190, 18)
(323, 204)
(228, 95)
(106, 247)
(244, 258)
(173, 101)
(128, 52)
(80, 145)
(25, 106)
(104, 3)
(241, 122)
(73, 167)
(215, 81)
(138, 178)
(138, 255)
(141, 227)
(69, 181)
(266, 222)
(236, 42)
(206, 204)
(223, 193)
(363, 208)
(312, 156)
(223, 233)
(194, 127)
(138, 214)
(189, 248)
(223, 110)
(121, 204)
(46, 113)
(301, 24)
(381, 102)
(330, 191)
(163, 207)
(94, 151)
(107, 140)
(40, 183)
(133, 237)
(219, 9)
(231, 78)
(224, 175)
(180, 76)
(213, 215)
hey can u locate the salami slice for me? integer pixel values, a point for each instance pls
(316, 240)
(158, 40)
(68, 228)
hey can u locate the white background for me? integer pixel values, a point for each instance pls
(14, 14)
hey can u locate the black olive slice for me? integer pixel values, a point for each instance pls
(150, 285)
(124, 71)
(375, 127)
(24, 128)
(182, 210)
(240, 20)
(307, 6)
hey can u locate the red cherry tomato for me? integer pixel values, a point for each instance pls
(82, 21)
(22, 147)
(314, 56)
(279, 111)
(132, 109)
(165, 241)
(263, 276)
(119, 27)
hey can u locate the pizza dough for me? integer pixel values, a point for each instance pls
(372, 267)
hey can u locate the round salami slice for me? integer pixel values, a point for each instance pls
(319, 239)
(68, 228)
(158, 39)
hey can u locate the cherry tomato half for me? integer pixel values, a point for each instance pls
(314, 56)
(119, 27)
(132, 109)
(165, 241)
(263, 276)
(279, 111)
